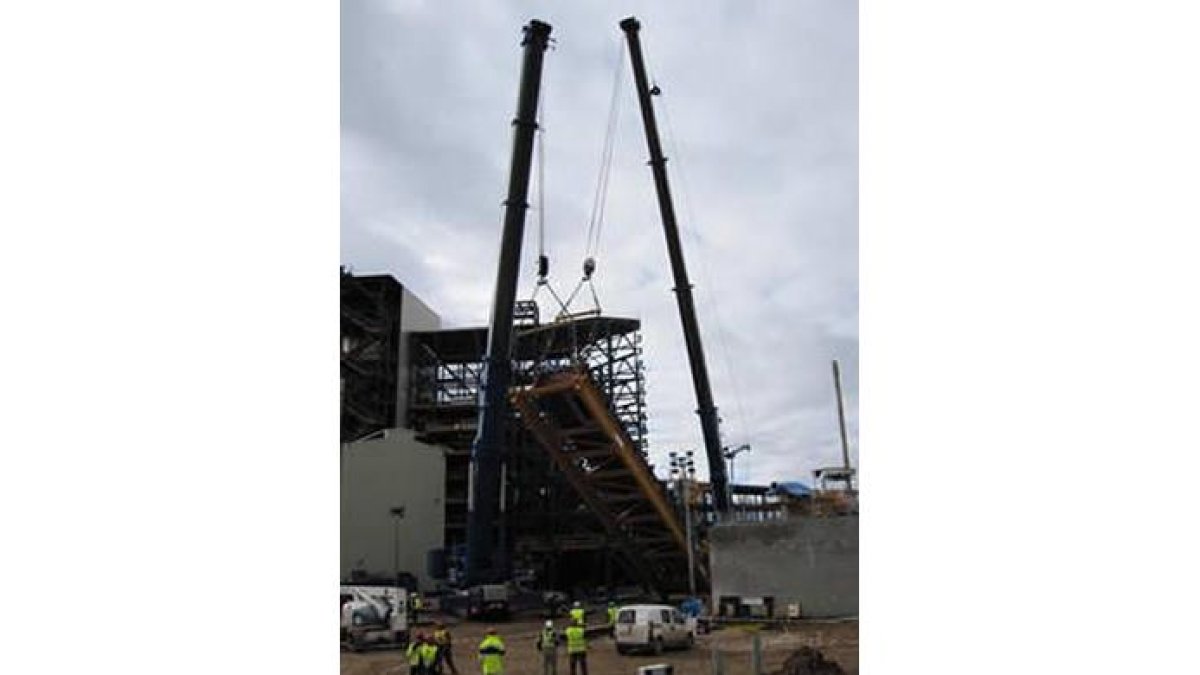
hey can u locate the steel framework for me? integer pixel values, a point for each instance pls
(547, 527)
(370, 353)
(571, 419)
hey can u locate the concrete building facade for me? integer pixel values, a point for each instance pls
(377, 476)
(807, 561)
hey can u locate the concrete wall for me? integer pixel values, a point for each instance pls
(377, 475)
(415, 315)
(812, 561)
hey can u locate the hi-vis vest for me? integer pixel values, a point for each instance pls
(577, 615)
(428, 654)
(414, 654)
(576, 642)
(491, 655)
(549, 641)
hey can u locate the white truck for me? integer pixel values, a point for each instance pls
(374, 616)
(652, 628)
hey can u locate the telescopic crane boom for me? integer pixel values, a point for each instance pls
(683, 288)
(484, 563)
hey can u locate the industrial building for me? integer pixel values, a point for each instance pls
(410, 393)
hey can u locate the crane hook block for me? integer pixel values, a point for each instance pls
(589, 266)
(543, 266)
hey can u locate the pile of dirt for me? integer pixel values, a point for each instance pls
(809, 661)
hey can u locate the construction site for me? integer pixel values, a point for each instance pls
(501, 474)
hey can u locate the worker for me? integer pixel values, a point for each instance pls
(547, 644)
(491, 653)
(577, 613)
(416, 605)
(445, 645)
(612, 618)
(577, 647)
(414, 655)
(428, 652)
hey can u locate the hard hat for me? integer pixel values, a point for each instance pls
(576, 603)
(549, 623)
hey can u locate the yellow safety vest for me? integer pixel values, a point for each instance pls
(442, 637)
(612, 614)
(576, 641)
(428, 654)
(491, 655)
(549, 641)
(414, 654)
(577, 615)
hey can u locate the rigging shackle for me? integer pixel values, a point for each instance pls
(589, 266)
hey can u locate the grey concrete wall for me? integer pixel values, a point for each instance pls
(377, 475)
(812, 561)
(415, 315)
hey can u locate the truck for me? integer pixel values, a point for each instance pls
(374, 616)
(488, 600)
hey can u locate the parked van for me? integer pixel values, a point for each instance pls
(652, 627)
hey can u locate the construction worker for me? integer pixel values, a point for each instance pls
(428, 651)
(491, 653)
(445, 645)
(547, 644)
(414, 655)
(577, 647)
(577, 613)
(612, 619)
(416, 605)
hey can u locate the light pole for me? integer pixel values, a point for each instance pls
(397, 515)
(683, 470)
(730, 453)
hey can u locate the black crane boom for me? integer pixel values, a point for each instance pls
(483, 563)
(683, 288)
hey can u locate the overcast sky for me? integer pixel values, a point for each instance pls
(759, 113)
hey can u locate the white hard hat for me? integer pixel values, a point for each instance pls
(576, 603)
(549, 624)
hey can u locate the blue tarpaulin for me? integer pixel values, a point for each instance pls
(793, 488)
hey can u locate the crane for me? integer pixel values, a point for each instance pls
(709, 423)
(482, 562)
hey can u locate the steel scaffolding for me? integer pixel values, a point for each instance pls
(546, 526)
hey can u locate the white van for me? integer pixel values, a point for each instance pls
(652, 627)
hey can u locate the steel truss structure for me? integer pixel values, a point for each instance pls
(569, 417)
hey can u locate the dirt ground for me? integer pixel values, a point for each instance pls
(837, 640)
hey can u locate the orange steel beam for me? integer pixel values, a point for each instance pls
(547, 435)
(647, 487)
(630, 458)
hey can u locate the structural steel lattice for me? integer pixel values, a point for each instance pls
(545, 524)
(370, 353)
(570, 418)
